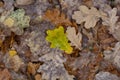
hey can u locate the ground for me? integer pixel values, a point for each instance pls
(59, 40)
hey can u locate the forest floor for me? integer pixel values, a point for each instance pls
(59, 39)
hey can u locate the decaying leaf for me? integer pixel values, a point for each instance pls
(7, 43)
(5, 75)
(16, 62)
(56, 17)
(111, 20)
(113, 56)
(24, 2)
(116, 33)
(17, 21)
(89, 16)
(1, 4)
(74, 38)
(53, 67)
(9, 22)
(32, 68)
(38, 77)
(106, 76)
(104, 38)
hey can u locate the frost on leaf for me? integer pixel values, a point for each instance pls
(73, 37)
(58, 39)
(17, 20)
(111, 20)
(89, 16)
(53, 67)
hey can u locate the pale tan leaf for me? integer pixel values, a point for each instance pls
(73, 37)
(111, 20)
(89, 16)
(16, 62)
(84, 9)
(90, 22)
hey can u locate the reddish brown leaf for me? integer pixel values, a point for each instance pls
(56, 17)
(38, 77)
(5, 75)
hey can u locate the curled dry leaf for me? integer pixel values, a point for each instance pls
(74, 38)
(32, 68)
(89, 16)
(5, 75)
(38, 77)
(56, 17)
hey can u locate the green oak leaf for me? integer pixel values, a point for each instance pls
(58, 39)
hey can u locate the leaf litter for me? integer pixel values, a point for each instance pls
(37, 36)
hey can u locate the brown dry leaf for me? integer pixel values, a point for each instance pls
(85, 66)
(105, 39)
(56, 17)
(89, 16)
(73, 37)
(31, 69)
(5, 75)
(7, 43)
(88, 3)
(1, 4)
(38, 77)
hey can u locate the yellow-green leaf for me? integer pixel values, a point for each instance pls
(58, 39)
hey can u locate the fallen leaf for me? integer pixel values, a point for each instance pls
(89, 16)
(12, 53)
(58, 39)
(32, 68)
(9, 22)
(16, 62)
(56, 17)
(1, 4)
(38, 77)
(111, 20)
(7, 43)
(24, 2)
(73, 37)
(105, 39)
(5, 75)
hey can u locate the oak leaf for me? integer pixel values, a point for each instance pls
(111, 20)
(58, 39)
(56, 17)
(73, 37)
(89, 16)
